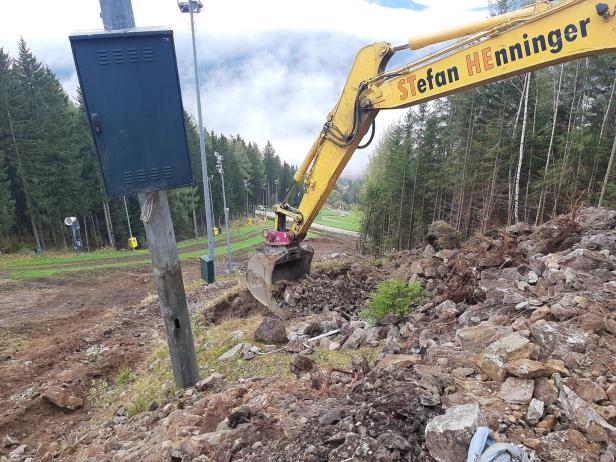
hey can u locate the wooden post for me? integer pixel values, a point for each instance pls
(171, 294)
(118, 14)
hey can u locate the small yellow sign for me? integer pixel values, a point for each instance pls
(216, 231)
(132, 242)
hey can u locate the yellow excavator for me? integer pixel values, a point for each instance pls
(540, 35)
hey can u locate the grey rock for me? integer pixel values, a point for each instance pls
(210, 381)
(429, 251)
(330, 417)
(578, 411)
(355, 340)
(585, 260)
(231, 353)
(535, 411)
(475, 339)
(519, 229)
(430, 400)
(517, 391)
(393, 441)
(562, 313)
(391, 347)
(532, 278)
(9, 441)
(448, 435)
(271, 330)
(447, 308)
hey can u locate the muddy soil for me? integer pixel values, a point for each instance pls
(77, 328)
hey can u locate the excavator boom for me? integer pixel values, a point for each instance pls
(534, 37)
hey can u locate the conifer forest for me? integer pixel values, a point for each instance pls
(49, 170)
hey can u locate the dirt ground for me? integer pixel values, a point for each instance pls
(78, 328)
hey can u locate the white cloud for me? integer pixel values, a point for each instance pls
(271, 69)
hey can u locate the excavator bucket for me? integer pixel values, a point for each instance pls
(275, 264)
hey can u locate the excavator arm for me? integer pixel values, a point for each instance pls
(537, 36)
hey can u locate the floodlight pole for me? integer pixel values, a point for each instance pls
(206, 179)
(118, 14)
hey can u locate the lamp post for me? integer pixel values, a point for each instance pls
(191, 7)
(212, 202)
(226, 210)
(246, 181)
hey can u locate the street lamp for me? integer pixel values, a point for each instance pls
(226, 210)
(191, 7)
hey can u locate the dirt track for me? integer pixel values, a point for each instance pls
(79, 328)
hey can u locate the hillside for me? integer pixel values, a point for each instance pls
(517, 333)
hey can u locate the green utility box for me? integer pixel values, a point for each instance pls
(207, 269)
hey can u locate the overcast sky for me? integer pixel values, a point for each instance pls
(271, 69)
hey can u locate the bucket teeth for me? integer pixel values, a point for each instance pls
(276, 264)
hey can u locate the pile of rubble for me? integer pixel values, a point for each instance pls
(519, 336)
(342, 286)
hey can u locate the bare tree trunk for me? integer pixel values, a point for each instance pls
(194, 216)
(608, 172)
(489, 201)
(530, 156)
(542, 196)
(469, 139)
(510, 178)
(563, 168)
(596, 162)
(97, 238)
(109, 224)
(85, 231)
(401, 204)
(518, 174)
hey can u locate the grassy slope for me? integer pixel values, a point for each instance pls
(79, 266)
(20, 261)
(329, 217)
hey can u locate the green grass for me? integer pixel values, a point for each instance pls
(153, 380)
(33, 272)
(123, 376)
(20, 261)
(46, 272)
(350, 221)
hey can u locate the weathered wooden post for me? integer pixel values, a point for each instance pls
(118, 14)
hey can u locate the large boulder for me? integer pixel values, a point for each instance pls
(442, 236)
(448, 435)
(270, 331)
(492, 360)
(585, 260)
